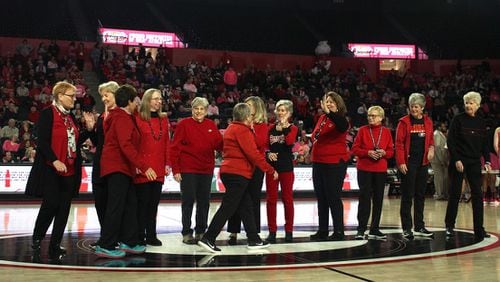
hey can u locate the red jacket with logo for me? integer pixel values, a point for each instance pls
(403, 139)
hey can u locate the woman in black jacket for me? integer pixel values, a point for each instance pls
(56, 173)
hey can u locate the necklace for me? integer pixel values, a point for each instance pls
(375, 145)
(157, 138)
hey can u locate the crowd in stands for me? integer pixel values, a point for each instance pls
(27, 77)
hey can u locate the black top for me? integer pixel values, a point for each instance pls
(467, 139)
(278, 145)
(417, 135)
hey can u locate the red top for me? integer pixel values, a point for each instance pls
(240, 152)
(329, 144)
(230, 77)
(193, 146)
(154, 146)
(120, 152)
(261, 131)
(59, 144)
(403, 139)
(364, 143)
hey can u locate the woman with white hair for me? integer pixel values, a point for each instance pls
(414, 150)
(373, 147)
(282, 136)
(467, 142)
(192, 158)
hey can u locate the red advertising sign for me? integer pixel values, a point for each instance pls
(134, 37)
(382, 51)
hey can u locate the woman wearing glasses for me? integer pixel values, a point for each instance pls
(153, 128)
(330, 156)
(56, 172)
(373, 146)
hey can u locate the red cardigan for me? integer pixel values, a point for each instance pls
(193, 146)
(153, 147)
(240, 152)
(364, 143)
(120, 152)
(403, 139)
(330, 146)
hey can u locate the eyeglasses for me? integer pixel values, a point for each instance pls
(71, 96)
(372, 116)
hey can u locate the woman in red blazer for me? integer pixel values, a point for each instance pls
(154, 145)
(120, 162)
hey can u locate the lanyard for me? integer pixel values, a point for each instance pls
(375, 146)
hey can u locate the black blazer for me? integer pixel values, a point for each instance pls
(43, 175)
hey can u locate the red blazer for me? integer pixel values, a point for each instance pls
(120, 152)
(240, 152)
(364, 143)
(154, 148)
(403, 139)
(330, 146)
(193, 146)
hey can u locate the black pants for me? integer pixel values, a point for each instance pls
(55, 206)
(328, 180)
(100, 191)
(148, 198)
(120, 222)
(413, 186)
(255, 191)
(371, 189)
(195, 187)
(472, 171)
(236, 200)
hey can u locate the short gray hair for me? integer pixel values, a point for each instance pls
(110, 86)
(285, 103)
(241, 112)
(416, 98)
(474, 96)
(199, 101)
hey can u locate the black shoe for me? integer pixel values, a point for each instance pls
(360, 235)
(258, 245)
(209, 246)
(56, 252)
(188, 239)
(407, 234)
(233, 240)
(288, 237)
(376, 234)
(450, 232)
(423, 232)
(271, 238)
(336, 236)
(480, 235)
(153, 242)
(93, 245)
(319, 236)
(36, 245)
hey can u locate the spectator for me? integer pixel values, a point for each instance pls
(9, 130)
